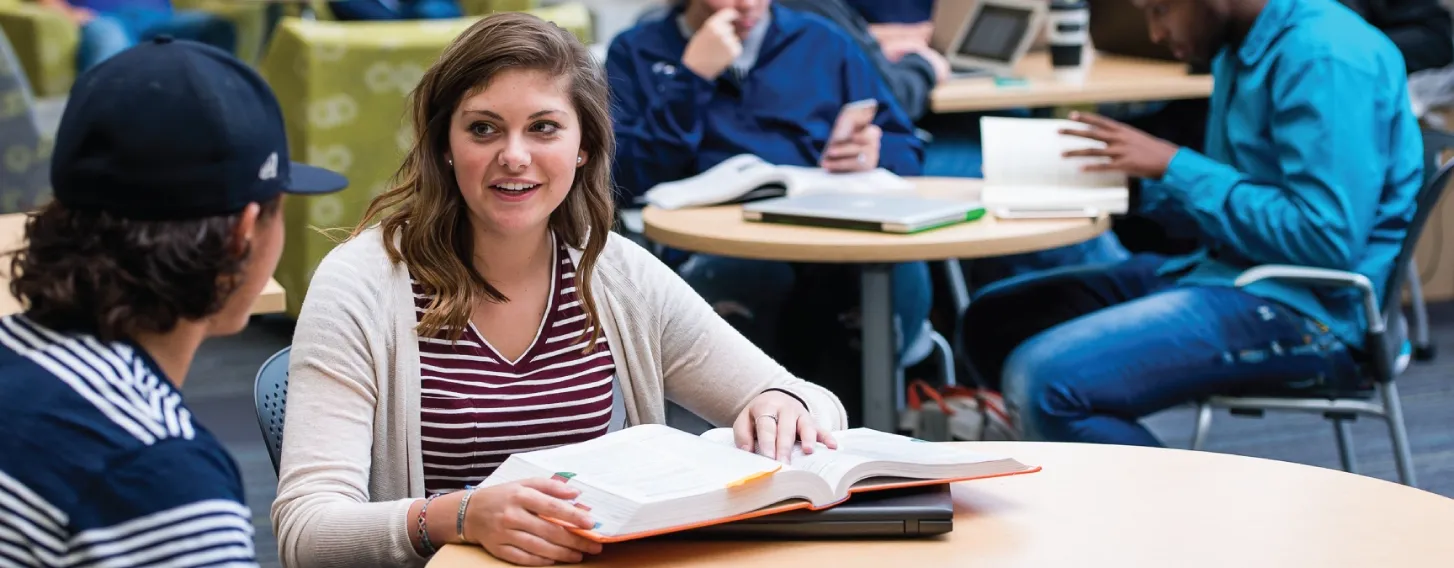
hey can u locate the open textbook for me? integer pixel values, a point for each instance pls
(1025, 171)
(652, 479)
(746, 177)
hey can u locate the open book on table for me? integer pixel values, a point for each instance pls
(746, 177)
(652, 479)
(1025, 172)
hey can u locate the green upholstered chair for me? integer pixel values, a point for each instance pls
(45, 42)
(24, 151)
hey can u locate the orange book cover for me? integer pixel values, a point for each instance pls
(791, 505)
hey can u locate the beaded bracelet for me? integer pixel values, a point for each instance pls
(424, 528)
(469, 491)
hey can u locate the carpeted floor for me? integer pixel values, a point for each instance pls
(219, 391)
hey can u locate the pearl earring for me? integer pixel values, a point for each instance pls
(450, 161)
(579, 160)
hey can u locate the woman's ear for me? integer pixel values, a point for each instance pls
(581, 159)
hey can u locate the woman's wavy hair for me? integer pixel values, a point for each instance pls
(425, 209)
(114, 278)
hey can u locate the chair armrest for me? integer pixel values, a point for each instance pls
(1321, 277)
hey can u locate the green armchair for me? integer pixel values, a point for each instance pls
(45, 41)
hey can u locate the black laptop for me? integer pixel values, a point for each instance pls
(893, 513)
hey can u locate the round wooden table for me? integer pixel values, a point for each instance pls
(1115, 506)
(722, 231)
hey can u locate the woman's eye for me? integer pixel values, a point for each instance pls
(546, 127)
(482, 129)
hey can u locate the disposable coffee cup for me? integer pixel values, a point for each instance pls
(1068, 30)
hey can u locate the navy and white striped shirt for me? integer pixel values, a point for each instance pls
(101, 463)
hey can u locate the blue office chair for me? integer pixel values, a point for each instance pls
(1388, 350)
(270, 394)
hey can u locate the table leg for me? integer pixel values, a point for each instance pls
(880, 355)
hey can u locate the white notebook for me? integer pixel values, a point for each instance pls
(1025, 171)
(737, 177)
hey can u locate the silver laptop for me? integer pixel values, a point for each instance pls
(993, 36)
(904, 513)
(883, 213)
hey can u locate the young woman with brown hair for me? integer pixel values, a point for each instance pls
(483, 307)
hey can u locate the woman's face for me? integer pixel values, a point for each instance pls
(515, 147)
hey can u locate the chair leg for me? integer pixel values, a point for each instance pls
(1344, 434)
(1204, 424)
(946, 359)
(1398, 433)
(1423, 348)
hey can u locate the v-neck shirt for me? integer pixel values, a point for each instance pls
(477, 407)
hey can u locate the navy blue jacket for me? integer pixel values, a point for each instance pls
(895, 11)
(672, 124)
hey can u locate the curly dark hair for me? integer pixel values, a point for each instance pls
(114, 277)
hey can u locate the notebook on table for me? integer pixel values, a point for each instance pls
(882, 213)
(651, 480)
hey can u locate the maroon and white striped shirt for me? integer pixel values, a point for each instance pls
(476, 408)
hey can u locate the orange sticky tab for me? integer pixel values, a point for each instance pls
(754, 477)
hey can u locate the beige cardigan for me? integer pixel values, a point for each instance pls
(351, 460)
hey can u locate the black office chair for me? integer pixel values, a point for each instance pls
(1385, 345)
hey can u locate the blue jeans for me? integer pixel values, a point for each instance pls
(1084, 353)
(751, 294)
(402, 10)
(111, 33)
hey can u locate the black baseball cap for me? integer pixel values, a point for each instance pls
(175, 129)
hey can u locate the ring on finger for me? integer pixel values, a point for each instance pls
(772, 417)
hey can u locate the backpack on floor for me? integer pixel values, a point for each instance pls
(955, 413)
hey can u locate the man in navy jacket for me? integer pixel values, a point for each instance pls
(711, 79)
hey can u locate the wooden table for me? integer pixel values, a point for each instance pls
(1111, 78)
(1120, 506)
(12, 230)
(722, 231)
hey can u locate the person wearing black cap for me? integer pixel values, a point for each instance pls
(168, 170)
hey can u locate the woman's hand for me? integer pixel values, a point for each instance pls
(859, 153)
(506, 521)
(773, 422)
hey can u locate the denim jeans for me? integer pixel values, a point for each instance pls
(347, 10)
(751, 294)
(111, 33)
(1084, 353)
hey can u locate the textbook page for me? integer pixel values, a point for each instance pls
(1027, 152)
(864, 453)
(651, 463)
(1024, 167)
(812, 181)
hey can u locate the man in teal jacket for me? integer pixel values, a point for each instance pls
(1313, 158)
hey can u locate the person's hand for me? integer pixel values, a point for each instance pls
(714, 46)
(773, 422)
(1129, 150)
(942, 70)
(858, 153)
(506, 521)
(80, 15)
(920, 32)
(896, 50)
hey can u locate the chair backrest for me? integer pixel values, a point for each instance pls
(270, 395)
(25, 169)
(1436, 178)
